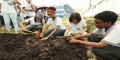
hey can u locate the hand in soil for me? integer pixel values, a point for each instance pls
(45, 38)
(73, 41)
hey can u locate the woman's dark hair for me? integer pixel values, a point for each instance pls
(35, 19)
(52, 8)
(75, 16)
(107, 16)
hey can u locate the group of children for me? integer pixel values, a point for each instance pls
(107, 46)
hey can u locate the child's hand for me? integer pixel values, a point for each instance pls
(31, 26)
(44, 38)
(81, 32)
(73, 41)
(24, 29)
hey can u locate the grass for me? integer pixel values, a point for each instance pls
(92, 27)
(20, 31)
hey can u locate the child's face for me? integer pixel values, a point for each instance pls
(74, 21)
(38, 19)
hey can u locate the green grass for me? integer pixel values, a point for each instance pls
(20, 31)
(92, 27)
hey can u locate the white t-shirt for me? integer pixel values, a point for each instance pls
(30, 13)
(56, 22)
(32, 21)
(7, 8)
(112, 35)
(77, 27)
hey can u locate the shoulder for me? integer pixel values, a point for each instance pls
(32, 18)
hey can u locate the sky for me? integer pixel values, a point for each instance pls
(83, 4)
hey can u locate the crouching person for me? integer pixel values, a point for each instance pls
(75, 26)
(106, 46)
(55, 22)
(36, 23)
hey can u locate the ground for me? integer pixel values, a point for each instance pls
(26, 47)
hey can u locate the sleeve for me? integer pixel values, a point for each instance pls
(113, 38)
(59, 22)
(27, 20)
(95, 31)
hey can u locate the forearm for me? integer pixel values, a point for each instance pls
(17, 2)
(85, 29)
(85, 35)
(52, 33)
(22, 25)
(67, 31)
(92, 44)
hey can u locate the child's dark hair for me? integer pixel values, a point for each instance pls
(107, 16)
(75, 16)
(52, 8)
(35, 19)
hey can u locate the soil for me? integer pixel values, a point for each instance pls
(26, 47)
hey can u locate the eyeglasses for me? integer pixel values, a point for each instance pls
(98, 22)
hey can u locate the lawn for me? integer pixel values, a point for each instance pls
(20, 31)
(91, 28)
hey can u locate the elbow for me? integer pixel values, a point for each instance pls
(101, 46)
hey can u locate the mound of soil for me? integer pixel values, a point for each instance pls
(25, 47)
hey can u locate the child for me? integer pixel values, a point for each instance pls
(107, 47)
(75, 26)
(55, 22)
(36, 23)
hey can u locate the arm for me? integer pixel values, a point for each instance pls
(33, 8)
(46, 27)
(55, 29)
(86, 35)
(93, 44)
(67, 30)
(17, 2)
(84, 30)
(22, 25)
(19, 10)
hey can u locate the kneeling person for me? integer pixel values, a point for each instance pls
(75, 26)
(36, 23)
(55, 22)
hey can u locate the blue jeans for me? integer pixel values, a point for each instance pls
(35, 28)
(7, 18)
(57, 33)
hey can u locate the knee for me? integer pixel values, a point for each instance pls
(90, 38)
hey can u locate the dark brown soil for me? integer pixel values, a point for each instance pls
(25, 47)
